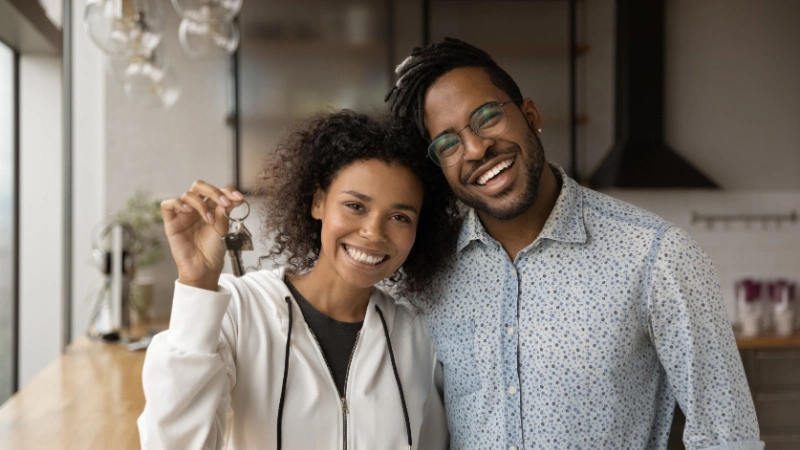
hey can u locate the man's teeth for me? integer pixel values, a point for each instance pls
(494, 171)
(362, 257)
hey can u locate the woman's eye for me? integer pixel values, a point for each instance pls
(354, 206)
(401, 218)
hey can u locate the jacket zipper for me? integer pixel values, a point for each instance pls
(343, 399)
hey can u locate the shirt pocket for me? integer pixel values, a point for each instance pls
(455, 348)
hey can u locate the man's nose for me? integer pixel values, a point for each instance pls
(474, 146)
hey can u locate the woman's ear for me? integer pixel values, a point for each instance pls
(317, 205)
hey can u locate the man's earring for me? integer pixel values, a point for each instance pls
(539, 130)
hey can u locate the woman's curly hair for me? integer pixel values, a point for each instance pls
(312, 157)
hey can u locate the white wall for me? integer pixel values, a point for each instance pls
(41, 214)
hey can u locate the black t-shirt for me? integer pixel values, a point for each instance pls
(336, 339)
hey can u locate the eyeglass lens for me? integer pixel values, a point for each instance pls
(487, 122)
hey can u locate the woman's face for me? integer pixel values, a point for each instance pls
(369, 221)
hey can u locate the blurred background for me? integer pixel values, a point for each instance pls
(689, 108)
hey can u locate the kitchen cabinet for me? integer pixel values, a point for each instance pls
(774, 378)
(772, 366)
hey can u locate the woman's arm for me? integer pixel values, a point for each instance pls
(189, 373)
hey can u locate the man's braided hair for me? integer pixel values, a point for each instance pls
(426, 64)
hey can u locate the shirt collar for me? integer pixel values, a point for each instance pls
(565, 223)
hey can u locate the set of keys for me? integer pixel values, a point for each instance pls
(237, 240)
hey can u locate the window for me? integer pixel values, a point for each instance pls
(8, 223)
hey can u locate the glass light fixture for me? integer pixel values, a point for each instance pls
(207, 10)
(208, 39)
(154, 93)
(125, 26)
(132, 67)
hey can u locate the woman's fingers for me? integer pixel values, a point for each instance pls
(201, 204)
(170, 208)
(208, 201)
(227, 196)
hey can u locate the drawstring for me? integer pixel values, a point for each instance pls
(396, 375)
(391, 356)
(285, 370)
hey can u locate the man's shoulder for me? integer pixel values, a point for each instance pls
(604, 211)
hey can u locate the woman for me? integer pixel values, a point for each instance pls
(311, 355)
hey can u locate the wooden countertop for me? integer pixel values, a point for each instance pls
(89, 398)
(767, 340)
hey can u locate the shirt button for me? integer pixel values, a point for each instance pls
(512, 390)
(510, 330)
(513, 447)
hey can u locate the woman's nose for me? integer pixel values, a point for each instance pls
(372, 230)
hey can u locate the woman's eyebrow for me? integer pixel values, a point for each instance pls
(367, 198)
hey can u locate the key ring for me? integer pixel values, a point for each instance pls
(245, 214)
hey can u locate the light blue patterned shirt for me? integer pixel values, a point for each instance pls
(587, 338)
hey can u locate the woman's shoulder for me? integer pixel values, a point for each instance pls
(257, 288)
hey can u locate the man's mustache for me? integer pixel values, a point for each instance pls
(490, 154)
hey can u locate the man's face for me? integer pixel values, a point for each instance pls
(497, 176)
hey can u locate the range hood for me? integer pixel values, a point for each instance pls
(640, 157)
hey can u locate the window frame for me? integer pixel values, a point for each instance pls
(15, 210)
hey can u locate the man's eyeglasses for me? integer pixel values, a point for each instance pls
(487, 122)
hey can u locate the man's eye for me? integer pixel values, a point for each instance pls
(446, 145)
(487, 117)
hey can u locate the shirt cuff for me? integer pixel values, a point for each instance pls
(196, 318)
(741, 445)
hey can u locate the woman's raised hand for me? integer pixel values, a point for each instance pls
(195, 224)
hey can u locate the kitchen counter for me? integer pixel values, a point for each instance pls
(89, 398)
(767, 340)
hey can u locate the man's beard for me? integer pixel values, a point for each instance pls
(534, 163)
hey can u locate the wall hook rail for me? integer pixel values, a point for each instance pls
(748, 219)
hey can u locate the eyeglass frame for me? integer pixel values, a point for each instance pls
(432, 154)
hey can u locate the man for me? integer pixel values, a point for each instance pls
(568, 319)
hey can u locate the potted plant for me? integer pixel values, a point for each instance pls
(142, 212)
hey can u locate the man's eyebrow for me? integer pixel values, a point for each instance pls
(452, 130)
(367, 198)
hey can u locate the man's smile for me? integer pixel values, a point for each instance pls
(493, 171)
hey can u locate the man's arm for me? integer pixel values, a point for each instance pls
(696, 347)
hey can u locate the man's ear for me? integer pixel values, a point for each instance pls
(531, 113)
(317, 204)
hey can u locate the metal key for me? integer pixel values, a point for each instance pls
(238, 239)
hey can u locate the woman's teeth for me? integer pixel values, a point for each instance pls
(362, 257)
(494, 171)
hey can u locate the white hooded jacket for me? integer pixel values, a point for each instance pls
(214, 379)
